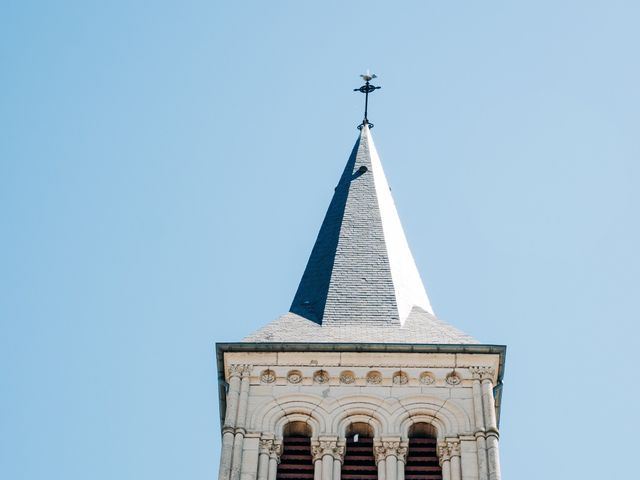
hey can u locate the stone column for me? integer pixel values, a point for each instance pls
(337, 469)
(236, 459)
(478, 374)
(233, 394)
(316, 455)
(493, 452)
(274, 459)
(444, 457)
(327, 466)
(381, 454)
(392, 467)
(263, 460)
(338, 458)
(402, 459)
(454, 453)
(317, 469)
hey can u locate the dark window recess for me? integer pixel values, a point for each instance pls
(422, 460)
(295, 462)
(359, 462)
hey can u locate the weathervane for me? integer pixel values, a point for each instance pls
(367, 88)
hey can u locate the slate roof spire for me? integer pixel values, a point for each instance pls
(361, 283)
(361, 268)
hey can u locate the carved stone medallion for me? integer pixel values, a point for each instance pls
(294, 376)
(427, 378)
(268, 376)
(374, 378)
(347, 377)
(453, 378)
(400, 378)
(321, 377)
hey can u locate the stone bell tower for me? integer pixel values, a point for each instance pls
(360, 380)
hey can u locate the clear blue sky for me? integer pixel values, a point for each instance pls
(165, 166)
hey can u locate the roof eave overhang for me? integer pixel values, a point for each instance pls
(472, 348)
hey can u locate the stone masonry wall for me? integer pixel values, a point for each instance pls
(388, 391)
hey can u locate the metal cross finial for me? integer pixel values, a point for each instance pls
(367, 88)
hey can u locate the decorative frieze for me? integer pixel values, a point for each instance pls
(373, 377)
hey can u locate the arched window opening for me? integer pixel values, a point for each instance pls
(422, 457)
(359, 461)
(295, 461)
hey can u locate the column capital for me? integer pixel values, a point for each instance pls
(239, 370)
(380, 453)
(454, 448)
(387, 448)
(266, 444)
(327, 447)
(482, 372)
(401, 453)
(275, 450)
(444, 452)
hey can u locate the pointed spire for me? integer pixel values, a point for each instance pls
(361, 268)
(361, 284)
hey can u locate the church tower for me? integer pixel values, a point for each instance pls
(360, 379)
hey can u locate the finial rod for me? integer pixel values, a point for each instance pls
(367, 88)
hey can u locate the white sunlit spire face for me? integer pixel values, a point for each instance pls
(408, 286)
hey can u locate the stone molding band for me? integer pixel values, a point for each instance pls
(372, 377)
